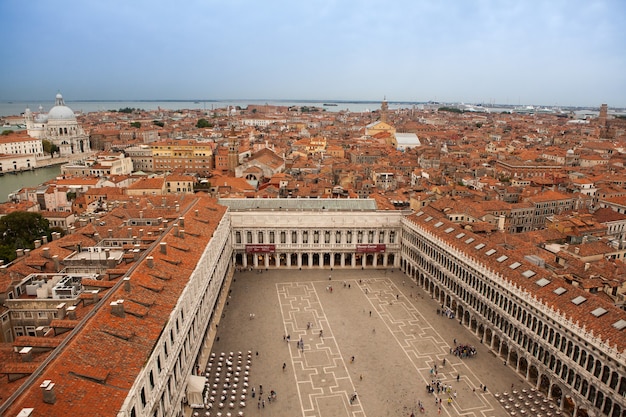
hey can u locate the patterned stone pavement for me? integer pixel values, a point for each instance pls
(386, 323)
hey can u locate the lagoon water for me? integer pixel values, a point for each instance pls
(15, 108)
(13, 182)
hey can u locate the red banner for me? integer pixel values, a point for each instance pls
(260, 248)
(370, 248)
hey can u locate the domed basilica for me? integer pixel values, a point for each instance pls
(60, 127)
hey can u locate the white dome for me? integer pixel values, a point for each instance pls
(61, 113)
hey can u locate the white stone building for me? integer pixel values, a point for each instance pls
(60, 127)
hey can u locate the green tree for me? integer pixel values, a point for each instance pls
(49, 147)
(136, 124)
(203, 123)
(158, 123)
(19, 230)
(6, 132)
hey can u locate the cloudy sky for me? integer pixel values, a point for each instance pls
(542, 52)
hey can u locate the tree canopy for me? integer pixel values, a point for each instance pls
(19, 230)
(203, 123)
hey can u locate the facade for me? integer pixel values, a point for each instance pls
(23, 145)
(554, 335)
(183, 155)
(60, 127)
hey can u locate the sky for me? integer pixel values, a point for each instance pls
(516, 52)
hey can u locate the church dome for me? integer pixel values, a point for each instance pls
(60, 111)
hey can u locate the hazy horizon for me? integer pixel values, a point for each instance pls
(556, 53)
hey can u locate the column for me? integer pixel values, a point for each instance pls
(266, 260)
(255, 260)
(244, 260)
(332, 259)
(310, 259)
(385, 259)
(288, 255)
(343, 259)
(299, 255)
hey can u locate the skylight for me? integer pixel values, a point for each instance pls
(620, 324)
(598, 312)
(528, 273)
(543, 282)
(460, 235)
(502, 258)
(438, 224)
(470, 240)
(419, 213)
(449, 229)
(560, 291)
(429, 218)
(579, 300)
(479, 246)
(515, 265)
(490, 252)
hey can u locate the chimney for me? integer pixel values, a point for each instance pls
(136, 252)
(127, 284)
(27, 354)
(196, 211)
(181, 221)
(26, 253)
(150, 261)
(37, 244)
(19, 252)
(44, 239)
(110, 232)
(130, 232)
(165, 223)
(587, 265)
(181, 234)
(141, 214)
(57, 265)
(176, 230)
(71, 313)
(61, 311)
(117, 308)
(96, 236)
(140, 232)
(40, 331)
(177, 208)
(95, 296)
(576, 250)
(47, 387)
(163, 248)
(45, 252)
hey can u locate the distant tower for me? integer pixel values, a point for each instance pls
(604, 109)
(233, 152)
(383, 110)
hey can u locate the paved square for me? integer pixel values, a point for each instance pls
(317, 342)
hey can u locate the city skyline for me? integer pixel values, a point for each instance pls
(558, 53)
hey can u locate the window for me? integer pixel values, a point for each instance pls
(272, 236)
(370, 236)
(248, 237)
(381, 236)
(349, 236)
(19, 331)
(294, 237)
(283, 237)
(359, 236)
(260, 237)
(392, 237)
(305, 237)
(327, 236)
(42, 315)
(238, 237)
(337, 236)
(316, 237)
(30, 331)
(28, 314)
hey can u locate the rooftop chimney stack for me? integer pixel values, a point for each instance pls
(57, 265)
(110, 232)
(150, 261)
(127, 284)
(181, 234)
(117, 308)
(47, 387)
(181, 221)
(44, 239)
(163, 248)
(71, 313)
(45, 252)
(37, 244)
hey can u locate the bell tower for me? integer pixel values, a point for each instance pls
(384, 107)
(233, 152)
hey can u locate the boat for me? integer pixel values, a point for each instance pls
(329, 104)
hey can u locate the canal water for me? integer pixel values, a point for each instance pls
(12, 182)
